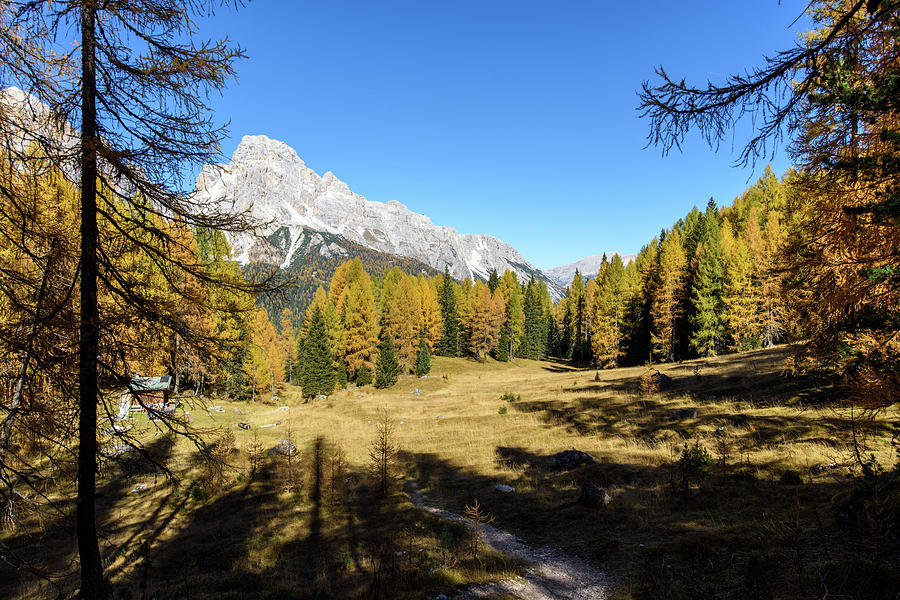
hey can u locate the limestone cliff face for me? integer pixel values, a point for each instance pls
(268, 179)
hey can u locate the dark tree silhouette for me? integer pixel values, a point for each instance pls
(137, 84)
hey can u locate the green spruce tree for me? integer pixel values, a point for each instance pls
(363, 376)
(708, 319)
(515, 320)
(387, 369)
(577, 305)
(317, 376)
(493, 281)
(450, 342)
(502, 352)
(550, 326)
(535, 342)
(423, 360)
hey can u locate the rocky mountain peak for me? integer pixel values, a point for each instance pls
(261, 148)
(268, 178)
(587, 266)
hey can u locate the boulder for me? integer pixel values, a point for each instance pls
(570, 459)
(114, 450)
(818, 469)
(284, 447)
(506, 489)
(592, 496)
(244, 426)
(686, 413)
(661, 380)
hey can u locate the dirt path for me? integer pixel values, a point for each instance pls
(552, 573)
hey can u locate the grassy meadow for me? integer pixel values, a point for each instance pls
(762, 519)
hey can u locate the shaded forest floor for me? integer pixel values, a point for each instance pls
(777, 514)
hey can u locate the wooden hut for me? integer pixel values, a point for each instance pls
(152, 392)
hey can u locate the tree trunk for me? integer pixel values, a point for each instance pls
(92, 583)
(175, 365)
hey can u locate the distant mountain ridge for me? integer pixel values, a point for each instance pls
(303, 210)
(587, 266)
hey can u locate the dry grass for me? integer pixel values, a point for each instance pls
(739, 534)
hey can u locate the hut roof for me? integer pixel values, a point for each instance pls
(149, 384)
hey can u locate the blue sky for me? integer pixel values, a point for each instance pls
(515, 119)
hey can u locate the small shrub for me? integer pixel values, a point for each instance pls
(649, 382)
(723, 447)
(383, 457)
(255, 454)
(597, 376)
(448, 548)
(325, 471)
(215, 464)
(477, 519)
(694, 464)
(340, 376)
(364, 376)
(197, 492)
(289, 467)
(337, 476)
(510, 397)
(790, 477)
(502, 410)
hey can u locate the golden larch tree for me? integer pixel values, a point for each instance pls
(406, 315)
(487, 319)
(432, 321)
(668, 296)
(360, 326)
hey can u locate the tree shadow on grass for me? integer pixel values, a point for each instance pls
(765, 389)
(253, 539)
(734, 394)
(50, 546)
(733, 536)
(561, 367)
(256, 540)
(655, 419)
